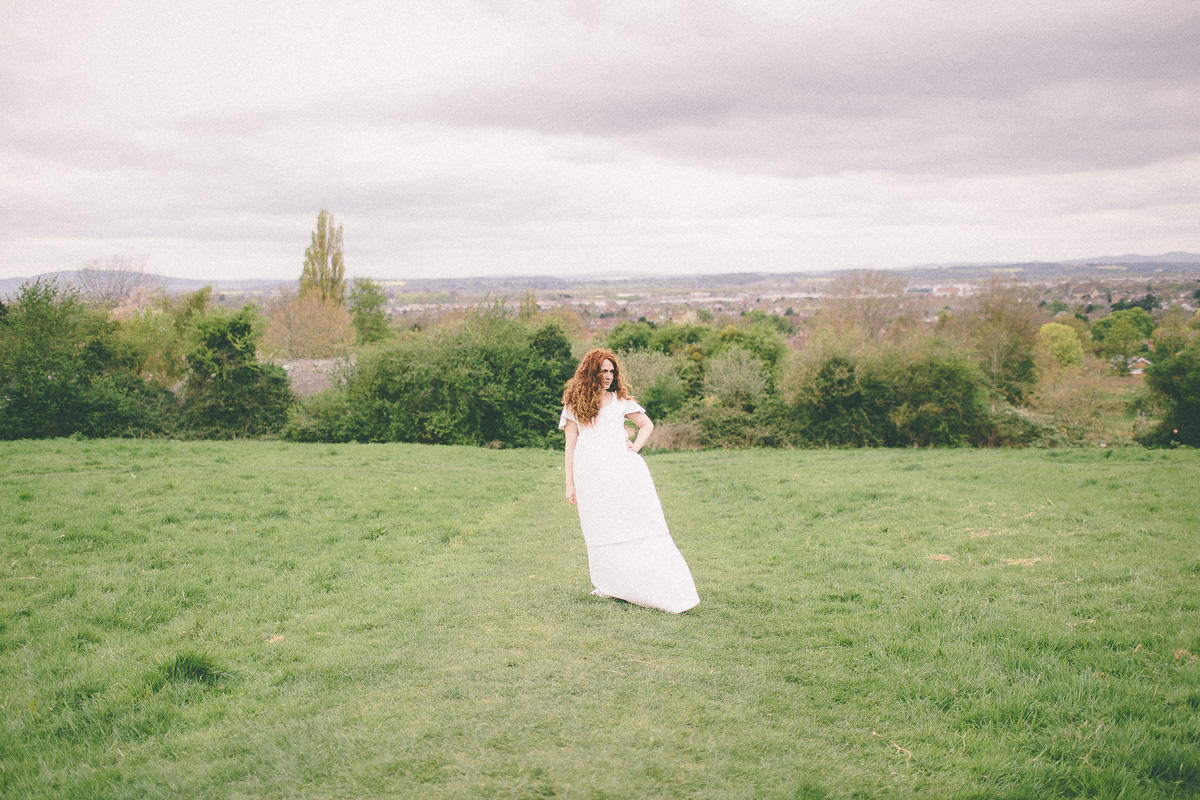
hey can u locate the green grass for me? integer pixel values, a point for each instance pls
(267, 620)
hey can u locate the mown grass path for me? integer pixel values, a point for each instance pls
(268, 620)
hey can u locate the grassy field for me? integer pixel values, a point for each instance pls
(268, 620)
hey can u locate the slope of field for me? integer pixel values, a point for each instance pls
(266, 620)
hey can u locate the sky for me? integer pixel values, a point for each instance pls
(569, 137)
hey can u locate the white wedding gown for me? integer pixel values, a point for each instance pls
(631, 554)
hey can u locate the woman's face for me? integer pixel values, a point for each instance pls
(607, 373)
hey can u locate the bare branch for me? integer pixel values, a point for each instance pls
(105, 282)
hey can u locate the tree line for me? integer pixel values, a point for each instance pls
(493, 377)
(859, 373)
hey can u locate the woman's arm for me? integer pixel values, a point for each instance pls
(572, 433)
(645, 428)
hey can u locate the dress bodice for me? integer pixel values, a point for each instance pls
(603, 442)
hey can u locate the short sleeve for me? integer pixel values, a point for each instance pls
(633, 407)
(565, 417)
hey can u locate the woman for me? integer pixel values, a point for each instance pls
(631, 554)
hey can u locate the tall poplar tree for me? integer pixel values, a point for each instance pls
(324, 268)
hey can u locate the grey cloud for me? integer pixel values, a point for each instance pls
(1071, 95)
(601, 133)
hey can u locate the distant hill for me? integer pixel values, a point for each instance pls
(9, 286)
(1176, 257)
(513, 285)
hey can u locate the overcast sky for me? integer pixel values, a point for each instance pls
(575, 137)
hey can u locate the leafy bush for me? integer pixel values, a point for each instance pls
(1176, 381)
(735, 378)
(123, 404)
(720, 425)
(482, 380)
(671, 338)
(655, 382)
(942, 400)
(66, 369)
(782, 324)
(52, 349)
(675, 434)
(150, 342)
(368, 302)
(711, 423)
(1060, 344)
(1000, 328)
(630, 336)
(838, 401)
(888, 396)
(1136, 319)
(1008, 427)
(227, 392)
(674, 338)
(1018, 377)
(760, 339)
(322, 417)
(692, 346)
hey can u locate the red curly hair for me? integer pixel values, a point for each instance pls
(585, 391)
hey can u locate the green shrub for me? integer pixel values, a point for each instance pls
(250, 400)
(675, 339)
(630, 336)
(52, 349)
(735, 378)
(323, 417)
(692, 346)
(1017, 378)
(1176, 382)
(1061, 344)
(367, 303)
(762, 340)
(940, 400)
(151, 342)
(487, 379)
(228, 393)
(671, 339)
(715, 424)
(1010, 428)
(655, 381)
(784, 324)
(123, 404)
(722, 425)
(888, 396)
(839, 402)
(1137, 319)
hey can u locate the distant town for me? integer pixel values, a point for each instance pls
(600, 303)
